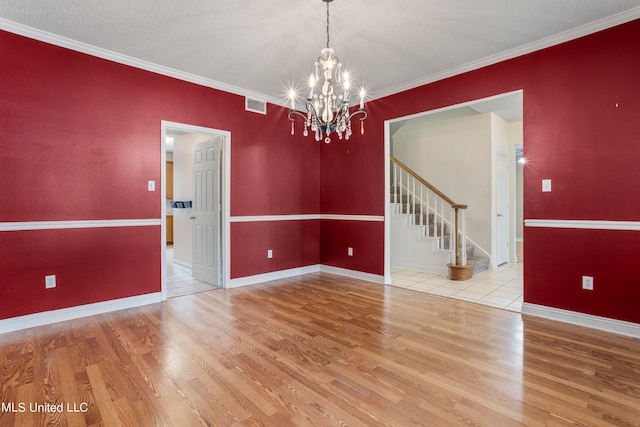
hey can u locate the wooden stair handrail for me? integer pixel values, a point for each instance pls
(457, 271)
(428, 185)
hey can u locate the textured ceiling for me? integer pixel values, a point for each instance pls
(265, 46)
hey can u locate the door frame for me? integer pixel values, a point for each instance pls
(387, 178)
(508, 215)
(225, 198)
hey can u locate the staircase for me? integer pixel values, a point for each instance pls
(423, 226)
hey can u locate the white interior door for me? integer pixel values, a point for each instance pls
(502, 210)
(206, 211)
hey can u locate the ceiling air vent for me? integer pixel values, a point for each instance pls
(255, 105)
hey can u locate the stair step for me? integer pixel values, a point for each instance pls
(479, 264)
(406, 205)
(436, 229)
(426, 218)
(470, 248)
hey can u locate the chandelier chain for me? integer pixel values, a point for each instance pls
(327, 24)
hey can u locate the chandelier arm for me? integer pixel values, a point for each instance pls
(356, 113)
(293, 112)
(312, 110)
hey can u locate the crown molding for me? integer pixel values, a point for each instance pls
(65, 42)
(88, 49)
(574, 33)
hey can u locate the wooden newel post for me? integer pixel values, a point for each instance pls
(458, 271)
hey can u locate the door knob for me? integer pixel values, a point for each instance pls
(499, 215)
(192, 217)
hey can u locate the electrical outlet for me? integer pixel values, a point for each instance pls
(587, 283)
(151, 185)
(350, 251)
(270, 253)
(50, 281)
(546, 185)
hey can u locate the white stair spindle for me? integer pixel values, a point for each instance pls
(408, 211)
(428, 209)
(413, 204)
(399, 207)
(435, 223)
(421, 203)
(395, 186)
(463, 237)
(442, 219)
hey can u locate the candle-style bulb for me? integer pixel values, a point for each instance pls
(292, 97)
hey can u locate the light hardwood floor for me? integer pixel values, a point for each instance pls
(319, 350)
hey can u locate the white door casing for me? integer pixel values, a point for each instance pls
(206, 211)
(502, 210)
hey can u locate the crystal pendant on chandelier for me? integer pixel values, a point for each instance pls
(328, 98)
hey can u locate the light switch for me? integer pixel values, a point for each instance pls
(50, 281)
(546, 185)
(151, 185)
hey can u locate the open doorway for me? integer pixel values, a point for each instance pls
(492, 159)
(194, 212)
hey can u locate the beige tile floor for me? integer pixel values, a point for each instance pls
(500, 288)
(179, 279)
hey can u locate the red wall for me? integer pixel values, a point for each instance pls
(364, 237)
(273, 172)
(610, 257)
(294, 244)
(81, 137)
(352, 183)
(91, 265)
(581, 127)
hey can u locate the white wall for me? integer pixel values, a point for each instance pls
(453, 151)
(183, 190)
(515, 138)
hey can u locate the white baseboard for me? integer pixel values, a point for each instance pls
(274, 275)
(183, 264)
(590, 321)
(284, 274)
(375, 278)
(61, 315)
(54, 316)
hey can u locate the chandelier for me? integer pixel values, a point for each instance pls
(328, 98)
